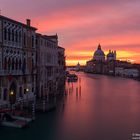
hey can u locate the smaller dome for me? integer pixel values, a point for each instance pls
(110, 55)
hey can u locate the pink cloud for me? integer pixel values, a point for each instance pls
(81, 24)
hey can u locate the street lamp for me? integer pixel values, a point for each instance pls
(11, 93)
(27, 90)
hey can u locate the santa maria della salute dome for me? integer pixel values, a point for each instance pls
(99, 54)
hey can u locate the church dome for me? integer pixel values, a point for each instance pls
(99, 51)
(99, 54)
(110, 55)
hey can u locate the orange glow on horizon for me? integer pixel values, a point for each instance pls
(73, 60)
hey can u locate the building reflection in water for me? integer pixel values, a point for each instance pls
(96, 105)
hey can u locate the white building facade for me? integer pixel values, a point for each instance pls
(127, 72)
(17, 61)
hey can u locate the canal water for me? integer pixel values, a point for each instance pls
(94, 108)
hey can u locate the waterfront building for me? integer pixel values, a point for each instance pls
(137, 66)
(95, 65)
(61, 70)
(17, 61)
(100, 64)
(127, 72)
(131, 72)
(32, 65)
(126, 69)
(89, 66)
(119, 71)
(46, 64)
(50, 67)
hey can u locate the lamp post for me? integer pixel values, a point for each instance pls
(27, 90)
(11, 99)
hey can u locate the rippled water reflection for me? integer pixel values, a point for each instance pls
(107, 108)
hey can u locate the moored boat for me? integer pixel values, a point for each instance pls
(72, 78)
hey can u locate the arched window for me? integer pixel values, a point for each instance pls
(9, 64)
(24, 65)
(20, 92)
(20, 36)
(5, 63)
(9, 34)
(5, 94)
(24, 91)
(24, 39)
(13, 35)
(17, 64)
(16, 36)
(32, 41)
(5, 33)
(20, 64)
(32, 63)
(13, 64)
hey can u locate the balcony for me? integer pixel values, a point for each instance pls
(11, 72)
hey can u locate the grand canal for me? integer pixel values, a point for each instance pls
(95, 108)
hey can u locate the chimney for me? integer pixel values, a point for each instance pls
(28, 22)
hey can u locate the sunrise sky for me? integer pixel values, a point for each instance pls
(83, 24)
